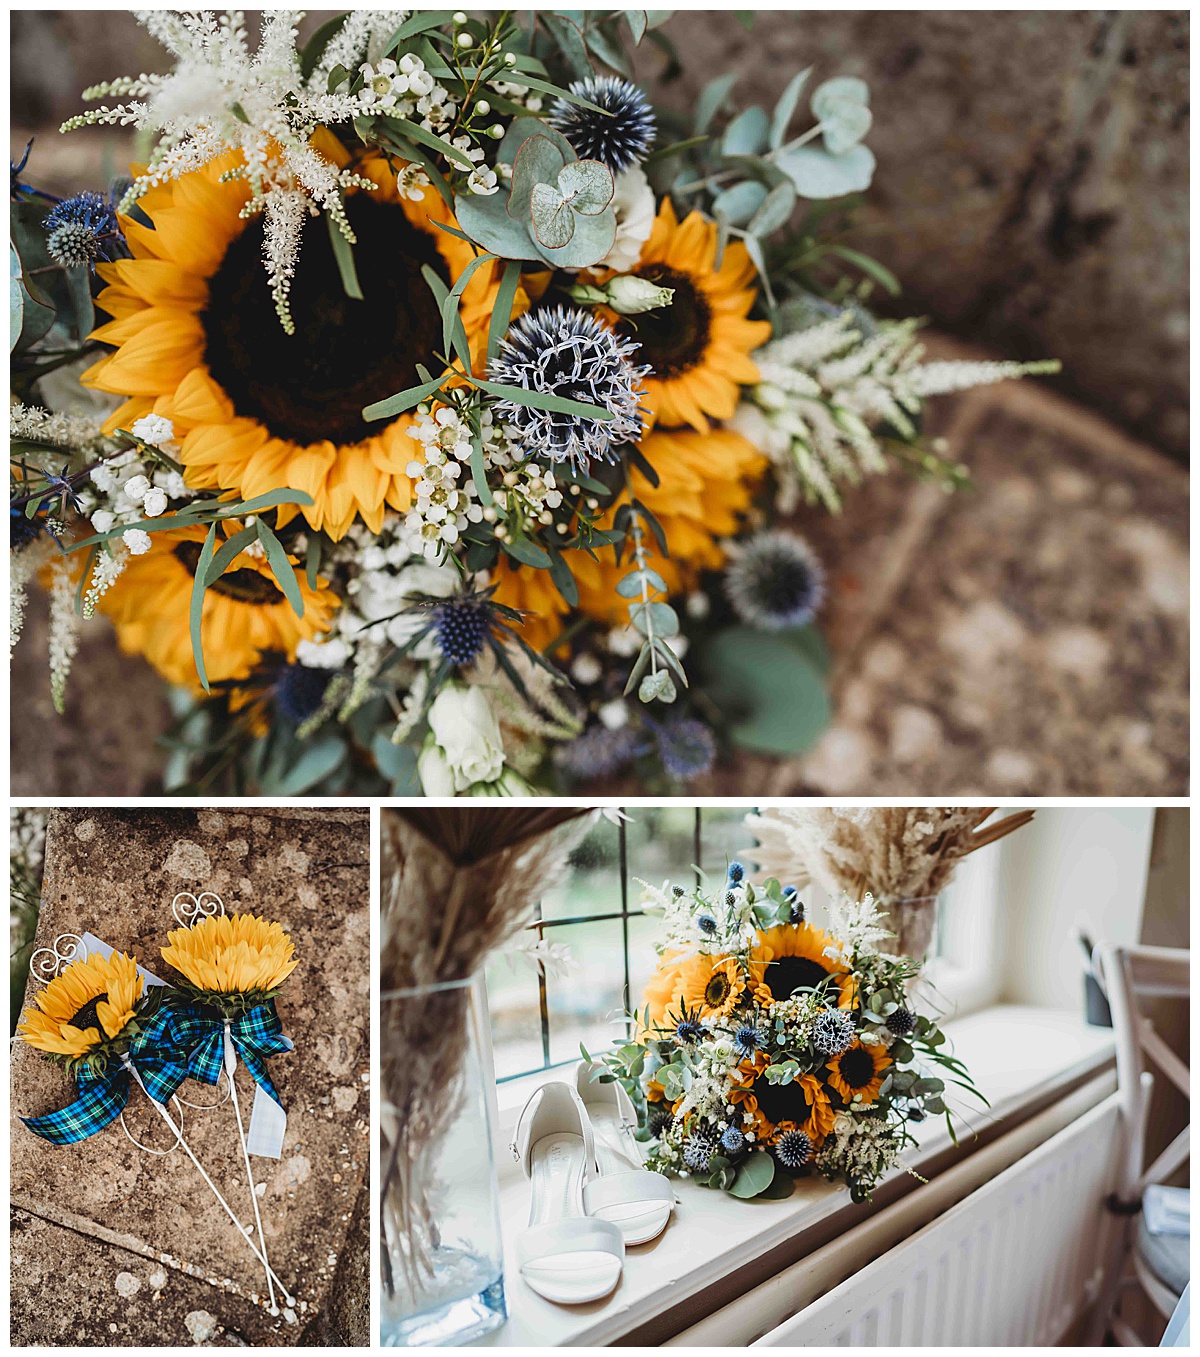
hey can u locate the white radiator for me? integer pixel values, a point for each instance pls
(1014, 1264)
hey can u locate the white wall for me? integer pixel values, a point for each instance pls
(1069, 866)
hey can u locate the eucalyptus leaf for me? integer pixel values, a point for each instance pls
(521, 129)
(817, 174)
(538, 161)
(774, 211)
(785, 107)
(485, 218)
(739, 203)
(321, 757)
(747, 133)
(754, 1175)
(592, 239)
(658, 619)
(553, 219)
(657, 686)
(709, 101)
(587, 185)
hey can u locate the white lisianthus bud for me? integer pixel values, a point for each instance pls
(630, 295)
(154, 502)
(468, 735)
(136, 540)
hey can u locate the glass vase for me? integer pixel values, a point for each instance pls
(442, 1265)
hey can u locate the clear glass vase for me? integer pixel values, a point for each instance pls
(442, 1265)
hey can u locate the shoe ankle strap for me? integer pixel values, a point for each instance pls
(553, 1107)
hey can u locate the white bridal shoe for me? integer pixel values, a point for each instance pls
(638, 1201)
(565, 1255)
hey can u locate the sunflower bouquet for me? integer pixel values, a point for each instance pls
(768, 1049)
(456, 397)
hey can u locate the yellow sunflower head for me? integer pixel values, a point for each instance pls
(198, 340)
(711, 985)
(88, 1002)
(663, 990)
(231, 954)
(705, 485)
(698, 347)
(245, 613)
(858, 1073)
(793, 955)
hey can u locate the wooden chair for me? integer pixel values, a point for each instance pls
(1159, 1263)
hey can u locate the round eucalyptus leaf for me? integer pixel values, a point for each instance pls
(841, 87)
(657, 686)
(739, 203)
(521, 129)
(553, 220)
(538, 161)
(592, 240)
(772, 696)
(587, 185)
(754, 1175)
(775, 210)
(747, 133)
(817, 174)
(845, 125)
(486, 220)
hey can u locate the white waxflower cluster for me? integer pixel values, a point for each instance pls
(797, 1015)
(829, 391)
(221, 97)
(863, 1148)
(519, 94)
(445, 499)
(526, 489)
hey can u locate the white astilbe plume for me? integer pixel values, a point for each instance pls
(829, 391)
(221, 97)
(64, 631)
(108, 569)
(60, 429)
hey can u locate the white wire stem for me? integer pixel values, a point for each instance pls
(178, 1132)
(230, 1069)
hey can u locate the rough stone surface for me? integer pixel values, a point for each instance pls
(130, 1225)
(1033, 177)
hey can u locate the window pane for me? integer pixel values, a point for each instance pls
(661, 844)
(592, 884)
(586, 1003)
(723, 837)
(512, 991)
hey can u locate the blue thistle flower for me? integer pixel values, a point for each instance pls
(747, 1039)
(686, 747)
(81, 230)
(736, 873)
(462, 625)
(658, 1117)
(901, 1023)
(299, 692)
(793, 1150)
(563, 351)
(707, 925)
(698, 1149)
(598, 752)
(790, 893)
(621, 136)
(775, 581)
(732, 1139)
(832, 1032)
(689, 1030)
(21, 530)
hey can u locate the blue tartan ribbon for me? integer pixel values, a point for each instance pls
(256, 1035)
(159, 1054)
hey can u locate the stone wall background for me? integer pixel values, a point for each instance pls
(1032, 189)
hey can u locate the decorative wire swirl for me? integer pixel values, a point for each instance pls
(47, 962)
(208, 1107)
(150, 1149)
(204, 906)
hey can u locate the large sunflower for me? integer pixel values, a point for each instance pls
(89, 997)
(785, 958)
(663, 990)
(698, 347)
(859, 1072)
(705, 484)
(713, 985)
(803, 1104)
(245, 612)
(198, 339)
(231, 954)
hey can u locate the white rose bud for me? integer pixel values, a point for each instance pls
(630, 295)
(468, 734)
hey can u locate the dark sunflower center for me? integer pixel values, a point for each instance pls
(857, 1068)
(86, 1017)
(312, 385)
(717, 990)
(780, 1102)
(790, 973)
(674, 338)
(244, 585)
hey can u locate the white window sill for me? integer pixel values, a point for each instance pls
(1016, 1055)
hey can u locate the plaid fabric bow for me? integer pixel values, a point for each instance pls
(160, 1056)
(256, 1035)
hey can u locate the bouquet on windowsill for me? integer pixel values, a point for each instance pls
(460, 397)
(770, 1050)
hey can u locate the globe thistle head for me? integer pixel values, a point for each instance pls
(832, 1032)
(793, 1149)
(901, 1023)
(730, 899)
(747, 1039)
(775, 580)
(732, 1139)
(658, 1117)
(686, 747)
(619, 137)
(736, 873)
(461, 626)
(698, 1149)
(792, 896)
(299, 692)
(564, 351)
(81, 229)
(598, 752)
(21, 530)
(678, 892)
(707, 925)
(690, 1030)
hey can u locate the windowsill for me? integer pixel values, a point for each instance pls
(1016, 1055)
